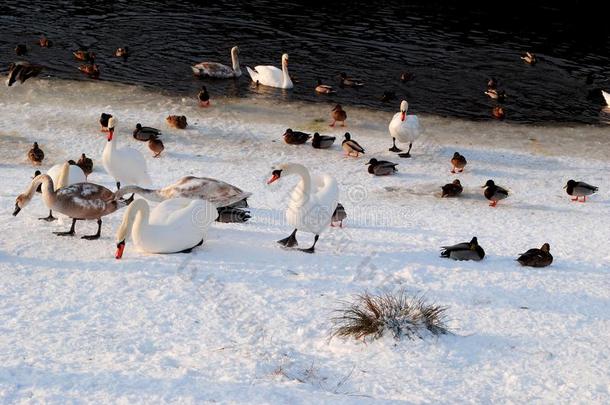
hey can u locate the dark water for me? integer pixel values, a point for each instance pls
(450, 49)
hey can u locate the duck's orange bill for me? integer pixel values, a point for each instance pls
(119, 249)
(273, 178)
(402, 116)
(110, 133)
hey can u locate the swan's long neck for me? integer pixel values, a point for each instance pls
(135, 219)
(150, 195)
(305, 180)
(49, 195)
(64, 177)
(286, 76)
(235, 60)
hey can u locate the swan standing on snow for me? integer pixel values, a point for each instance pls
(272, 76)
(312, 203)
(80, 201)
(75, 175)
(405, 128)
(218, 70)
(126, 165)
(176, 225)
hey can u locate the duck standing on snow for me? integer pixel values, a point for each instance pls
(126, 165)
(22, 71)
(324, 88)
(312, 203)
(579, 189)
(458, 162)
(272, 76)
(104, 121)
(145, 134)
(74, 175)
(176, 121)
(338, 216)
(228, 198)
(218, 70)
(464, 251)
(452, 189)
(494, 193)
(381, 167)
(338, 114)
(203, 97)
(405, 128)
(322, 141)
(295, 137)
(85, 164)
(537, 257)
(80, 201)
(347, 81)
(156, 146)
(174, 226)
(36, 155)
(351, 147)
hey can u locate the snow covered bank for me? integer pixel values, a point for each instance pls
(241, 320)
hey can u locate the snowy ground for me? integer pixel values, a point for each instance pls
(241, 320)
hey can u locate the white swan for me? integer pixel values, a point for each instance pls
(176, 225)
(75, 175)
(126, 165)
(606, 97)
(312, 203)
(218, 70)
(405, 128)
(272, 76)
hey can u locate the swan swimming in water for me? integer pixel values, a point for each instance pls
(272, 76)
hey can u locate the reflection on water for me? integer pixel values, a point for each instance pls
(450, 49)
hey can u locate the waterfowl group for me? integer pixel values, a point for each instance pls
(381, 167)
(464, 251)
(36, 155)
(295, 137)
(338, 114)
(351, 147)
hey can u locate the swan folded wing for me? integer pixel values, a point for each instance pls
(86, 191)
(268, 75)
(215, 191)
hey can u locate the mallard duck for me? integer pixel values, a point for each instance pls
(44, 42)
(494, 94)
(458, 162)
(494, 193)
(338, 114)
(203, 97)
(22, 71)
(156, 146)
(322, 141)
(492, 84)
(452, 189)
(121, 52)
(351, 147)
(21, 50)
(498, 113)
(104, 118)
(177, 121)
(84, 56)
(86, 164)
(145, 134)
(406, 77)
(529, 58)
(295, 137)
(381, 167)
(388, 96)
(537, 257)
(36, 155)
(464, 251)
(338, 216)
(324, 88)
(90, 69)
(349, 81)
(579, 189)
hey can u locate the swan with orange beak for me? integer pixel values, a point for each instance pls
(405, 128)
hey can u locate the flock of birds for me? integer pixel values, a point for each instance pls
(169, 227)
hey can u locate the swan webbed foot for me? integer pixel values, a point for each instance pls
(290, 241)
(395, 149)
(97, 234)
(49, 218)
(312, 248)
(71, 232)
(404, 155)
(91, 237)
